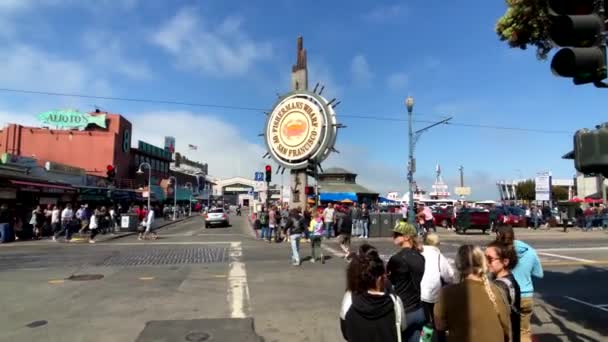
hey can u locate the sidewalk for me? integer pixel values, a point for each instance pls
(84, 238)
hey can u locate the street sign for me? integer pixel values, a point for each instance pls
(543, 186)
(258, 177)
(462, 191)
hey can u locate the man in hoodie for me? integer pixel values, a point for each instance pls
(528, 266)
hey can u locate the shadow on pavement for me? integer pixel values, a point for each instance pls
(586, 284)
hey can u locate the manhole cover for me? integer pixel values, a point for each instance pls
(36, 324)
(85, 277)
(197, 337)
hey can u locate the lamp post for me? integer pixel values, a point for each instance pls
(189, 186)
(141, 172)
(409, 104)
(174, 197)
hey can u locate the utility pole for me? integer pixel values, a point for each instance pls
(461, 169)
(411, 166)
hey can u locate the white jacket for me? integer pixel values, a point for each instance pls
(436, 267)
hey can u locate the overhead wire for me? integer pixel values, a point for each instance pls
(245, 108)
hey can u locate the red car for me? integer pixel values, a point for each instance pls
(472, 218)
(512, 216)
(444, 217)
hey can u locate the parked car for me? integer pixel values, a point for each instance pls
(444, 217)
(215, 217)
(512, 216)
(472, 218)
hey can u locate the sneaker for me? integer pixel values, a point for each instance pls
(54, 238)
(313, 260)
(91, 241)
(323, 259)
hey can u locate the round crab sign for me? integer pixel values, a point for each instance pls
(301, 129)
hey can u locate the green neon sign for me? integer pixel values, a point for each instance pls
(71, 119)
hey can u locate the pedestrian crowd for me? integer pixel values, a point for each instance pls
(419, 296)
(313, 225)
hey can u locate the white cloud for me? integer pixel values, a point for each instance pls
(107, 52)
(219, 50)
(361, 71)
(397, 81)
(23, 66)
(221, 144)
(384, 13)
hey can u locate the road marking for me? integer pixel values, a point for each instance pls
(588, 304)
(566, 257)
(146, 278)
(173, 243)
(238, 290)
(333, 251)
(542, 315)
(56, 281)
(573, 249)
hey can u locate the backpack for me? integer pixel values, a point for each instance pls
(510, 298)
(398, 317)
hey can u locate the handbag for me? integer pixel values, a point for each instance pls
(443, 282)
(398, 317)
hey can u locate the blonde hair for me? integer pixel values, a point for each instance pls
(471, 260)
(432, 240)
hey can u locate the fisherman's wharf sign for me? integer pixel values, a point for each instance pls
(71, 119)
(300, 128)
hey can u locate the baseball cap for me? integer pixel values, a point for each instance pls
(405, 229)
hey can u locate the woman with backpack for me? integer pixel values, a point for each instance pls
(369, 313)
(502, 258)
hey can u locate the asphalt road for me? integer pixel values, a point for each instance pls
(220, 284)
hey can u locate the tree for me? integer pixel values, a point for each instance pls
(526, 23)
(559, 194)
(526, 191)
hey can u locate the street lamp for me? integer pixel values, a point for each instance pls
(174, 197)
(189, 186)
(140, 171)
(409, 104)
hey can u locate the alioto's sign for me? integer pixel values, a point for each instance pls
(301, 128)
(71, 119)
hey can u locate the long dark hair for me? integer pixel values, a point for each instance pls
(505, 235)
(363, 271)
(505, 251)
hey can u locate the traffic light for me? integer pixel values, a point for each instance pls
(578, 27)
(268, 173)
(309, 190)
(110, 173)
(591, 150)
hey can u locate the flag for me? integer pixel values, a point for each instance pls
(192, 147)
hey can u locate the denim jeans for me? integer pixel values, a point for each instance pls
(356, 227)
(414, 320)
(329, 229)
(365, 227)
(265, 233)
(295, 248)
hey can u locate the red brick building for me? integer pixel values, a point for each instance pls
(92, 149)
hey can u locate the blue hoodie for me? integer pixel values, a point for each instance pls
(528, 265)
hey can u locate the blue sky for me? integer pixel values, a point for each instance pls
(369, 54)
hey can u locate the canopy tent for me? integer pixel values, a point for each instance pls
(346, 201)
(576, 200)
(338, 196)
(384, 200)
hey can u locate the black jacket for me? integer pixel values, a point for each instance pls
(370, 318)
(405, 270)
(345, 223)
(296, 224)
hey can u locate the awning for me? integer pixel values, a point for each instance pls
(42, 185)
(338, 196)
(386, 200)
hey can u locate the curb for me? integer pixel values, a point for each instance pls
(156, 228)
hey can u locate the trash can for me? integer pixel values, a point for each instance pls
(386, 224)
(129, 222)
(374, 225)
(6, 233)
